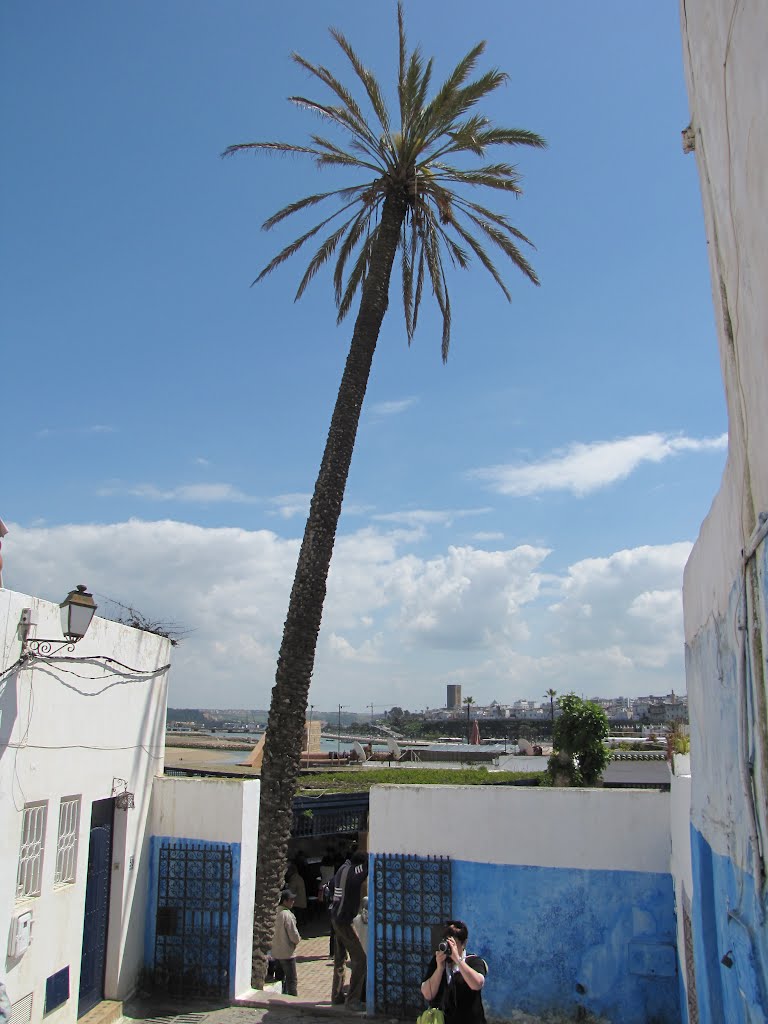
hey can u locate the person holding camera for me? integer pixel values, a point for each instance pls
(454, 979)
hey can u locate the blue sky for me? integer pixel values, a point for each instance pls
(515, 520)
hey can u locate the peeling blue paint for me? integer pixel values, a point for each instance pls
(557, 939)
(727, 921)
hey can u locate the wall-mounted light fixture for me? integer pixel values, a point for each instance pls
(727, 960)
(77, 611)
(124, 800)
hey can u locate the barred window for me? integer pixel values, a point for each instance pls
(66, 847)
(29, 878)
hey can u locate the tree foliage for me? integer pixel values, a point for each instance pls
(579, 756)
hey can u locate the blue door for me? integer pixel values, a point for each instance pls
(94, 955)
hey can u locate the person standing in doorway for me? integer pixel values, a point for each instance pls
(347, 886)
(285, 940)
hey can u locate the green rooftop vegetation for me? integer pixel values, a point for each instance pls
(360, 781)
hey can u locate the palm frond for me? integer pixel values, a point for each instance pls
(294, 246)
(300, 204)
(356, 232)
(356, 277)
(483, 256)
(507, 246)
(407, 276)
(322, 255)
(340, 117)
(368, 80)
(277, 147)
(497, 218)
(346, 97)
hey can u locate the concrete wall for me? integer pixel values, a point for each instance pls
(724, 47)
(220, 811)
(71, 728)
(567, 893)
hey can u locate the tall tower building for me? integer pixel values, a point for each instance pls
(454, 697)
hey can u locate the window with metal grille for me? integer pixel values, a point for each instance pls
(29, 878)
(66, 847)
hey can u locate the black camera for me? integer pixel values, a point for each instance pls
(444, 947)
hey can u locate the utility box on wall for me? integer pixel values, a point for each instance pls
(20, 934)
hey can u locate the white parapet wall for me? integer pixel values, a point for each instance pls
(207, 814)
(76, 730)
(567, 893)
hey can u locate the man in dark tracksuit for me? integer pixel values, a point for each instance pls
(347, 883)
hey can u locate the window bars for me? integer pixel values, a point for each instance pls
(66, 847)
(29, 878)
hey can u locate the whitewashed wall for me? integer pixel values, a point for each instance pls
(567, 893)
(69, 729)
(581, 828)
(220, 811)
(724, 52)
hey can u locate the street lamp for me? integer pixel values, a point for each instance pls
(77, 611)
(338, 731)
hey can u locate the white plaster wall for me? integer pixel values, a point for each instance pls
(219, 811)
(596, 829)
(724, 48)
(69, 729)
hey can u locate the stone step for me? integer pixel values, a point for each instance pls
(106, 1012)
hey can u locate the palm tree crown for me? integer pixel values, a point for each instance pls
(415, 166)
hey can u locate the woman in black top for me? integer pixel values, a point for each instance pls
(454, 979)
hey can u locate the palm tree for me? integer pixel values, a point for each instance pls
(406, 197)
(551, 694)
(469, 701)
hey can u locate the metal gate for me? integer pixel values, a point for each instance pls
(411, 898)
(193, 927)
(94, 953)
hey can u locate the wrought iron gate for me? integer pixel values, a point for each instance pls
(194, 918)
(411, 897)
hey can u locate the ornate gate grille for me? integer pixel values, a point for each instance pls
(194, 917)
(411, 896)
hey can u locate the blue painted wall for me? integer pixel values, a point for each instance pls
(728, 919)
(729, 912)
(557, 939)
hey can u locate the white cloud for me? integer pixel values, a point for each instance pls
(583, 468)
(394, 623)
(286, 506)
(193, 493)
(392, 408)
(487, 535)
(429, 517)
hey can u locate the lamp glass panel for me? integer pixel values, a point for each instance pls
(79, 619)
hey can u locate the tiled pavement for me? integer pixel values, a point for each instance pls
(312, 1005)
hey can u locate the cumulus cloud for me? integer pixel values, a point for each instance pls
(395, 622)
(583, 468)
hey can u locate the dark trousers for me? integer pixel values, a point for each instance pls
(348, 942)
(290, 981)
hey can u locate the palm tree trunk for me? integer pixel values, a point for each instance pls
(282, 747)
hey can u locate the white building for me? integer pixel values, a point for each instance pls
(87, 824)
